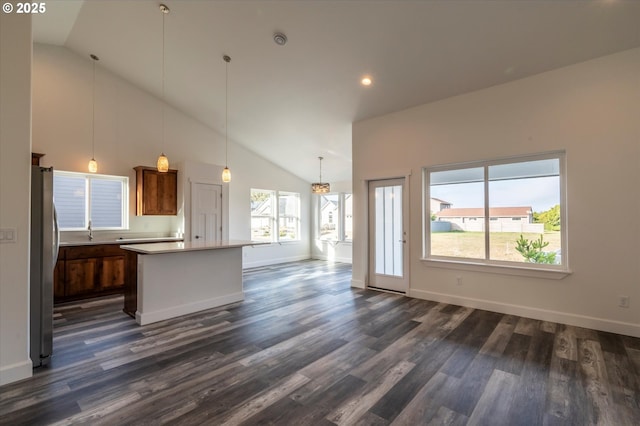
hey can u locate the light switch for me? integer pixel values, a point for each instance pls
(8, 235)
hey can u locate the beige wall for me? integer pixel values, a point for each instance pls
(591, 111)
(15, 176)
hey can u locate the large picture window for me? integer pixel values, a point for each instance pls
(275, 215)
(507, 211)
(288, 216)
(335, 217)
(81, 199)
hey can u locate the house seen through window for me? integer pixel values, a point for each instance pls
(335, 217)
(275, 215)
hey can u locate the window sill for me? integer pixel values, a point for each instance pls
(275, 243)
(335, 242)
(523, 271)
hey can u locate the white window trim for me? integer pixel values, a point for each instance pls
(124, 180)
(494, 266)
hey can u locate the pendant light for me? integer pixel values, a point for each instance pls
(93, 164)
(226, 173)
(319, 187)
(163, 161)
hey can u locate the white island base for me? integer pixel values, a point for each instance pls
(176, 279)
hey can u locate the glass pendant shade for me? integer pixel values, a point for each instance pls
(93, 165)
(163, 163)
(226, 175)
(320, 188)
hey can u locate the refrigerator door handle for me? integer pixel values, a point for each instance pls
(56, 236)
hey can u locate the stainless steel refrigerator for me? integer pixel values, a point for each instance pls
(44, 253)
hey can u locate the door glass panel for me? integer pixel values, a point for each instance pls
(388, 228)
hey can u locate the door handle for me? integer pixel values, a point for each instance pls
(402, 241)
(197, 236)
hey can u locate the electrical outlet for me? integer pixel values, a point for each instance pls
(623, 301)
(458, 280)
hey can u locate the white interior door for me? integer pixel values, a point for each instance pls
(206, 212)
(388, 260)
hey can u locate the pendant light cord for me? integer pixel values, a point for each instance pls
(163, 96)
(93, 110)
(226, 113)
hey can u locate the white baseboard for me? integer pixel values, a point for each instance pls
(14, 372)
(188, 308)
(357, 283)
(602, 324)
(274, 261)
(333, 259)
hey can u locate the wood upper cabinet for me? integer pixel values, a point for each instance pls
(156, 193)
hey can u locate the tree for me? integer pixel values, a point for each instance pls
(550, 218)
(532, 250)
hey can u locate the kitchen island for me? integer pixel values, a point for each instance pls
(179, 278)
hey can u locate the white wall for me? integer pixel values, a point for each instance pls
(250, 171)
(15, 187)
(128, 133)
(591, 111)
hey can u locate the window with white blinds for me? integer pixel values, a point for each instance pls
(101, 199)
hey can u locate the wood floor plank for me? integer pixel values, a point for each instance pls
(594, 371)
(355, 407)
(530, 397)
(427, 401)
(305, 348)
(495, 402)
(263, 400)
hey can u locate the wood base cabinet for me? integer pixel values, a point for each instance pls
(131, 285)
(89, 271)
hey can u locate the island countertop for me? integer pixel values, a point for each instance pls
(178, 247)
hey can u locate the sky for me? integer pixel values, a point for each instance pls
(539, 193)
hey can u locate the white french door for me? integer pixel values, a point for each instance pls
(388, 260)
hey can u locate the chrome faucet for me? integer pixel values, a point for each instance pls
(90, 232)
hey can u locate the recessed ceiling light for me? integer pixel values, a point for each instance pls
(366, 81)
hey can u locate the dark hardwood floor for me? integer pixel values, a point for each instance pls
(306, 349)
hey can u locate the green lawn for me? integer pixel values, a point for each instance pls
(471, 244)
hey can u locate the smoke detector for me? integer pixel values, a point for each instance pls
(280, 39)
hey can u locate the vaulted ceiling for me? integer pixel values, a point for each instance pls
(293, 103)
